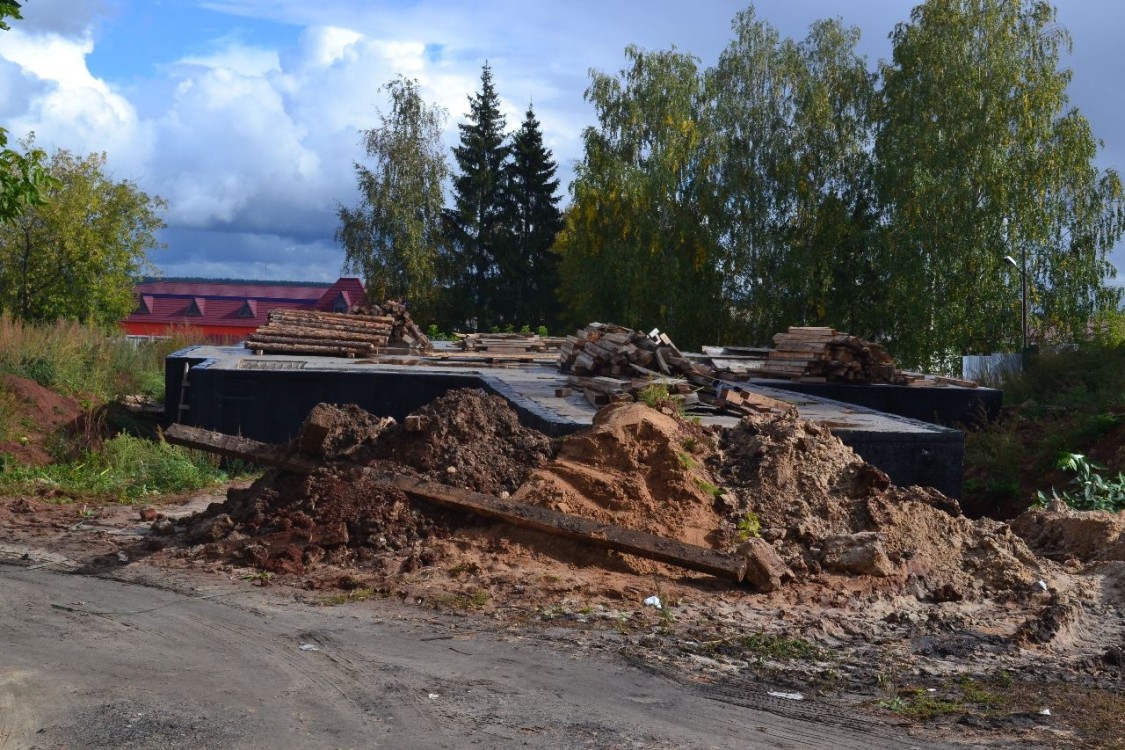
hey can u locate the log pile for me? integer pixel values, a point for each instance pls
(337, 334)
(403, 330)
(824, 354)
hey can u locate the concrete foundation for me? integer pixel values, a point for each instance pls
(266, 398)
(949, 406)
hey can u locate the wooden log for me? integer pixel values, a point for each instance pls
(360, 345)
(316, 341)
(585, 530)
(329, 325)
(232, 446)
(339, 334)
(322, 315)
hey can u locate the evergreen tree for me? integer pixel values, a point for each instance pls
(474, 223)
(528, 269)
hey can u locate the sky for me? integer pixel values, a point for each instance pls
(245, 115)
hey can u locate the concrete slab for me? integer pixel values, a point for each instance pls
(266, 397)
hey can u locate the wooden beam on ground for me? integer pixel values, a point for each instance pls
(240, 447)
(585, 530)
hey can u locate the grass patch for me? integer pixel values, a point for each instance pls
(709, 488)
(749, 526)
(125, 470)
(686, 460)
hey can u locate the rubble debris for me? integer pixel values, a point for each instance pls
(776, 501)
(353, 334)
(612, 364)
(534, 517)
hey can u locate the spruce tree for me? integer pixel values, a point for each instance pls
(528, 269)
(473, 224)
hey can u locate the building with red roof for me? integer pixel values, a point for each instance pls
(230, 309)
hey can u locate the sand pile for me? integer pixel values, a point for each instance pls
(787, 486)
(1062, 533)
(825, 510)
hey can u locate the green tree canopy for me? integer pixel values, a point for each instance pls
(78, 254)
(22, 175)
(394, 237)
(981, 156)
(640, 245)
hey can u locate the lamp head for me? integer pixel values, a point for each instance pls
(1012, 261)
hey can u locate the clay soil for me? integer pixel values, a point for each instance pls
(891, 602)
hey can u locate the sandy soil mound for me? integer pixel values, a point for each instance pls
(827, 510)
(637, 468)
(1061, 533)
(341, 515)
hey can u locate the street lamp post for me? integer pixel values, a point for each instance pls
(1023, 299)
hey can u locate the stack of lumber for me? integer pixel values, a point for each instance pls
(507, 343)
(823, 354)
(337, 334)
(613, 350)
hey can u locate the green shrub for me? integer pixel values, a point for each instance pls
(1091, 490)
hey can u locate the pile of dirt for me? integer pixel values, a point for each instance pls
(466, 438)
(1062, 533)
(827, 511)
(814, 505)
(341, 515)
(31, 416)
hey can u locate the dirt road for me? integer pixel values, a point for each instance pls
(96, 662)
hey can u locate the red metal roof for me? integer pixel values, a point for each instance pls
(223, 306)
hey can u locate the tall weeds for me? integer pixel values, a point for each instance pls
(84, 361)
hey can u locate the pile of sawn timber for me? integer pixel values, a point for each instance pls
(337, 334)
(610, 363)
(507, 343)
(815, 354)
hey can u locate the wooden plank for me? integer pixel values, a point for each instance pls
(232, 446)
(586, 530)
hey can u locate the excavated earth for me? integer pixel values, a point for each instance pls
(885, 594)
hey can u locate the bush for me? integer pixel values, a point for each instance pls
(1091, 490)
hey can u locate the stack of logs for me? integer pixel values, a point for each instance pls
(611, 363)
(823, 354)
(337, 334)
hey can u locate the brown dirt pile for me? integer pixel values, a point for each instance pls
(30, 416)
(826, 510)
(1062, 533)
(818, 505)
(341, 515)
(635, 467)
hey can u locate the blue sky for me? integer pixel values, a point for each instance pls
(245, 114)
